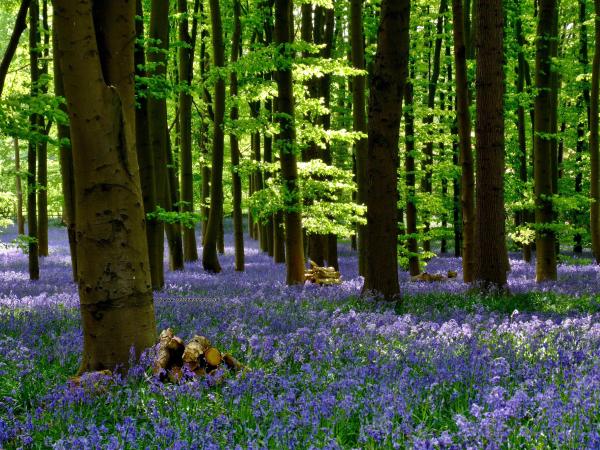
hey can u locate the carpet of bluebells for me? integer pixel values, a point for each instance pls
(445, 369)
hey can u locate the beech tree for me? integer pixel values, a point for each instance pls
(186, 60)
(210, 259)
(96, 45)
(490, 237)
(34, 121)
(385, 101)
(359, 121)
(285, 142)
(236, 184)
(463, 116)
(594, 145)
(543, 167)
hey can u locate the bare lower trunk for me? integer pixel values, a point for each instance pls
(96, 46)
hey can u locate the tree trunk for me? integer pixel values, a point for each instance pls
(385, 106)
(32, 224)
(190, 250)
(236, 181)
(13, 43)
(467, 179)
(409, 166)
(490, 233)
(286, 143)
(278, 238)
(154, 229)
(359, 123)
(427, 164)
(173, 230)
(66, 156)
(204, 141)
(19, 189)
(210, 260)
(157, 111)
(96, 42)
(594, 150)
(544, 212)
(522, 68)
(42, 146)
(583, 107)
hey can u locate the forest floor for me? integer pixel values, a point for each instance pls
(445, 369)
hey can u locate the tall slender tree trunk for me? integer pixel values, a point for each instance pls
(389, 77)
(268, 138)
(409, 166)
(491, 254)
(594, 150)
(522, 68)
(173, 230)
(286, 143)
(42, 147)
(13, 43)
(427, 182)
(236, 181)
(19, 188)
(583, 106)
(157, 110)
(359, 123)
(96, 44)
(467, 179)
(204, 140)
(544, 212)
(154, 229)
(210, 260)
(330, 250)
(186, 54)
(66, 155)
(32, 224)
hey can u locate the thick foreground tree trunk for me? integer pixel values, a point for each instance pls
(490, 237)
(96, 42)
(385, 107)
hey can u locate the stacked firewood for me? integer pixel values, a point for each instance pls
(198, 356)
(322, 275)
(433, 277)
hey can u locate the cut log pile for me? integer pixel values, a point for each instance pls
(198, 357)
(322, 275)
(433, 277)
